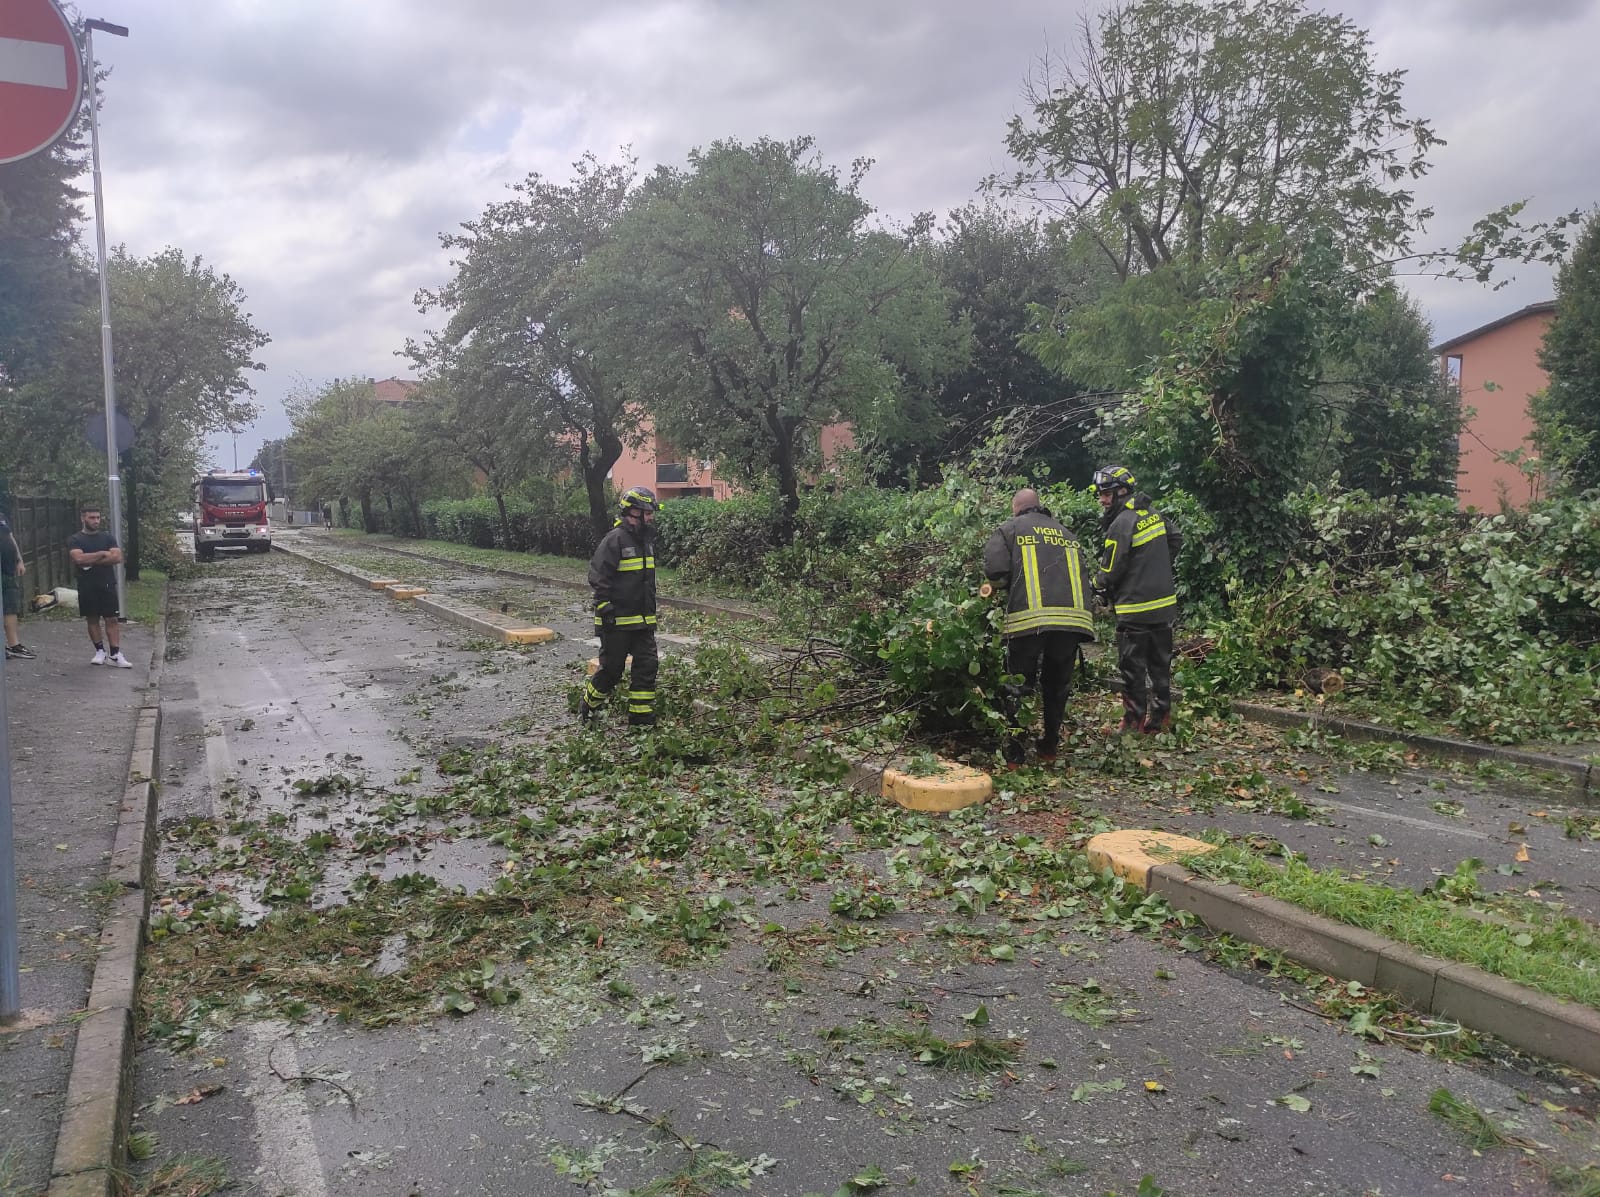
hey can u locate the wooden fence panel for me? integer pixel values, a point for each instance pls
(42, 525)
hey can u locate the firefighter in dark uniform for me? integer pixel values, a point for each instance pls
(1047, 614)
(622, 574)
(1136, 582)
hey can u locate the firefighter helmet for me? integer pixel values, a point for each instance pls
(640, 498)
(1114, 477)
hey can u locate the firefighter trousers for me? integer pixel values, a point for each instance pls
(1044, 660)
(1144, 658)
(616, 646)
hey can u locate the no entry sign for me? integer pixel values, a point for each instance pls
(41, 77)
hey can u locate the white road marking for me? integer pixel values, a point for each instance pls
(37, 64)
(282, 1118)
(1408, 820)
(283, 1123)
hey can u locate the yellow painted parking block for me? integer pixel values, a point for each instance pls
(382, 583)
(953, 787)
(1132, 854)
(528, 635)
(406, 592)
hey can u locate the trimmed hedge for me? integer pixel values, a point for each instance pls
(477, 522)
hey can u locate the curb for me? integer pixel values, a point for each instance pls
(485, 623)
(491, 624)
(93, 1136)
(1582, 778)
(1564, 1031)
(682, 604)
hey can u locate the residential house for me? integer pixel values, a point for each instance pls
(393, 392)
(672, 474)
(1496, 369)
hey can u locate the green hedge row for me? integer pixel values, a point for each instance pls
(477, 522)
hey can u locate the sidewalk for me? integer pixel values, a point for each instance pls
(71, 730)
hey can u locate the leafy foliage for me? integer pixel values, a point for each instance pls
(768, 307)
(519, 343)
(185, 348)
(1488, 624)
(1396, 417)
(1568, 413)
(1000, 266)
(1227, 413)
(1194, 132)
(516, 524)
(43, 282)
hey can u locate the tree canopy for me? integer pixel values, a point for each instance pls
(513, 315)
(1568, 413)
(765, 305)
(1194, 130)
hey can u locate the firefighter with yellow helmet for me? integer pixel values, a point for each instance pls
(622, 575)
(1136, 582)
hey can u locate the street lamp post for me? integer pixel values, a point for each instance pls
(113, 479)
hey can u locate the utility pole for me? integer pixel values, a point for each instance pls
(107, 370)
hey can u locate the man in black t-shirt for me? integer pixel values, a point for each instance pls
(97, 556)
(11, 570)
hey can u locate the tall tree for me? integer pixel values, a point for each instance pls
(1244, 166)
(1396, 416)
(1568, 413)
(1002, 268)
(184, 349)
(766, 306)
(513, 296)
(43, 281)
(326, 442)
(475, 410)
(1195, 130)
(279, 469)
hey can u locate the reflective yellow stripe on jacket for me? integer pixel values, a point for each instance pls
(628, 621)
(1159, 528)
(1044, 619)
(1037, 617)
(1153, 605)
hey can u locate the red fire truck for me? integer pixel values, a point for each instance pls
(231, 510)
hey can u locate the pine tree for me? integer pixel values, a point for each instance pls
(1567, 414)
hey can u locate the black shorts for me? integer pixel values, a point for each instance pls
(11, 588)
(98, 600)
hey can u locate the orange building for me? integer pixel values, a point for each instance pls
(395, 392)
(1496, 369)
(656, 463)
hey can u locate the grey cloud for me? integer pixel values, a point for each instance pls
(316, 150)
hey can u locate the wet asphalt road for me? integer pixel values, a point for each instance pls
(279, 672)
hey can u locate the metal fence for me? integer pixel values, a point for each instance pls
(42, 526)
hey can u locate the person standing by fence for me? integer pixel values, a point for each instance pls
(12, 567)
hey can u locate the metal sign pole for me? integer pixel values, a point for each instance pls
(109, 374)
(10, 965)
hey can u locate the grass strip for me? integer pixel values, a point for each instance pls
(1553, 953)
(144, 597)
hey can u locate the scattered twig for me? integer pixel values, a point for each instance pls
(308, 1077)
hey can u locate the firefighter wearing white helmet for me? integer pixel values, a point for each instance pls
(622, 574)
(1136, 582)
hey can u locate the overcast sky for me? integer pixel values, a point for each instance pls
(315, 149)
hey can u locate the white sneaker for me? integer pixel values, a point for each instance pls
(99, 657)
(120, 661)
